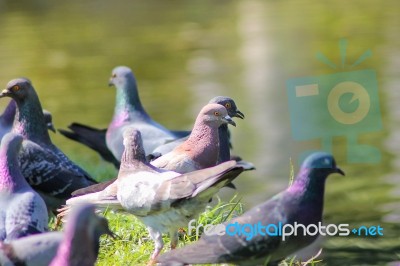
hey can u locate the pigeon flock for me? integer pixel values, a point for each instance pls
(166, 178)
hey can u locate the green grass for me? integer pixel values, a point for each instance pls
(133, 246)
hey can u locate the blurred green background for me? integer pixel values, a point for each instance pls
(184, 53)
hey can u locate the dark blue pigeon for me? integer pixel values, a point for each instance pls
(22, 211)
(44, 166)
(302, 202)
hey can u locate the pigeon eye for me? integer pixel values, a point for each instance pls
(216, 113)
(228, 105)
(114, 75)
(15, 88)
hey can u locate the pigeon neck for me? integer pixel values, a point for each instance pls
(72, 248)
(310, 184)
(10, 175)
(29, 121)
(133, 156)
(127, 99)
(224, 149)
(204, 143)
(9, 113)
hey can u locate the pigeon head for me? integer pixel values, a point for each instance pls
(215, 114)
(48, 118)
(127, 95)
(133, 144)
(18, 89)
(11, 177)
(81, 241)
(11, 142)
(321, 162)
(120, 76)
(229, 104)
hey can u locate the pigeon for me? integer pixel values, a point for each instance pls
(41, 249)
(163, 200)
(22, 211)
(130, 112)
(199, 151)
(7, 119)
(80, 245)
(47, 169)
(224, 135)
(302, 202)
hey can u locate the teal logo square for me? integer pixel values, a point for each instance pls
(339, 104)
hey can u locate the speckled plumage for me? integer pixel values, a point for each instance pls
(45, 167)
(302, 203)
(22, 210)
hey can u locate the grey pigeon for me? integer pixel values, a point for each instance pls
(224, 135)
(7, 118)
(130, 112)
(22, 210)
(80, 245)
(84, 227)
(46, 168)
(302, 202)
(163, 200)
(201, 149)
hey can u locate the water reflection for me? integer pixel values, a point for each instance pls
(185, 53)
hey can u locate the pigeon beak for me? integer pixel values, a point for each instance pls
(229, 120)
(239, 114)
(51, 127)
(5, 93)
(111, 82)
(340, 171)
